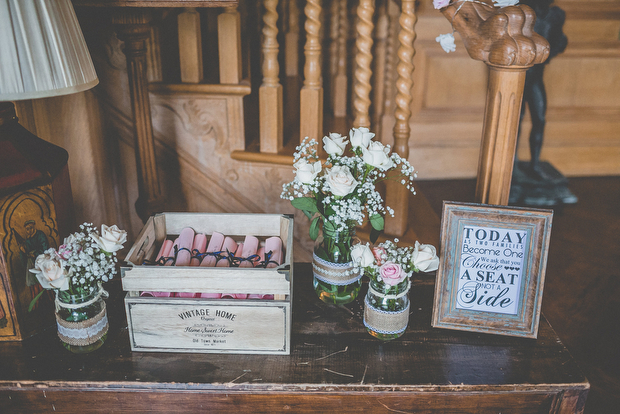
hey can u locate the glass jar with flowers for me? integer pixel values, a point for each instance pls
(339, 195)
(76, 272)
(389, 268)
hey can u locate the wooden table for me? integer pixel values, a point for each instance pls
(334, 366)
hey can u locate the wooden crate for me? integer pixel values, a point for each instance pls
(252, 326)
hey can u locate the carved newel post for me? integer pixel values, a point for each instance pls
(505, 40)
(133, 27)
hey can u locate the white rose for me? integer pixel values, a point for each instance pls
(340, 181)
(50, 272)
(306, 173)
(111, 239)
(424, 257)
(446, 41)
(377, 156)
(360, 137)
(362, 255)
(335, 144)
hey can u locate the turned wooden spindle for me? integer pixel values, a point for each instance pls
(505, 40)
(311, 95)
(340, 79)
(393, 13)
(132, 26)
(397, 195)
(291, 39)
(363, 61)
(382, 32)
(333, 43)
(270, 92)
(229, 45)
(190, 46)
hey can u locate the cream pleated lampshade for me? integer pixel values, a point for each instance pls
(42, 50)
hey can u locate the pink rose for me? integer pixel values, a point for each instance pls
(380, 255)
(391, 273)
(438, 4)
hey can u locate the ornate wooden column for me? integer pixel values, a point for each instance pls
(397, 196)
(363, 60)
(505, 40)
(270, 92)
(311, 95)
(132, 26)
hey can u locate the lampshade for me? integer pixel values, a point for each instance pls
(42, 50)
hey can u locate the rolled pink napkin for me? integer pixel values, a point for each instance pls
(200, 245)
(250, 247)
(215, 245)
(166, 247)
(239, 251)
(171, 253)
(261, 256)
(229, 245)
(274, 245)
(184, 244)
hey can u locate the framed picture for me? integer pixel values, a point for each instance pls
(492, 270)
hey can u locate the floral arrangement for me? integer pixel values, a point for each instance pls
(388, 265)
(446, 41)
(341, 193)
(84, 260)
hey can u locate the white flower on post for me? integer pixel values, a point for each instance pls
(361, 255)
(306, 172)
(439, 4)
(340, 181)
(447, 42)
(360, 137)
(335, 144)
(505, 3)
(111, 239)
(377, 156)
(50, 272)
(424, 257)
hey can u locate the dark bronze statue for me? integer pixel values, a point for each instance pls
(538, 183)
(549, 23)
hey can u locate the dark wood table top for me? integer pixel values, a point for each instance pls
(331, 354)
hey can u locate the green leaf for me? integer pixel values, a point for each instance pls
(314, 228)
(308, 214)
(305, 204)
(374, 235)
(377, 221)
(36, 298)
(328, 227)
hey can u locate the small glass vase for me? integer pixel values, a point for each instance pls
(386, 309)
(335, 279)
(82, 320)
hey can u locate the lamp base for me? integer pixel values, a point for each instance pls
(36, 212)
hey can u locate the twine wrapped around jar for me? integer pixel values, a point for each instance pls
(87, 331)
(338, 274)
(389, 324)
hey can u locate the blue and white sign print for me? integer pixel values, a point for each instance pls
(491, 269)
